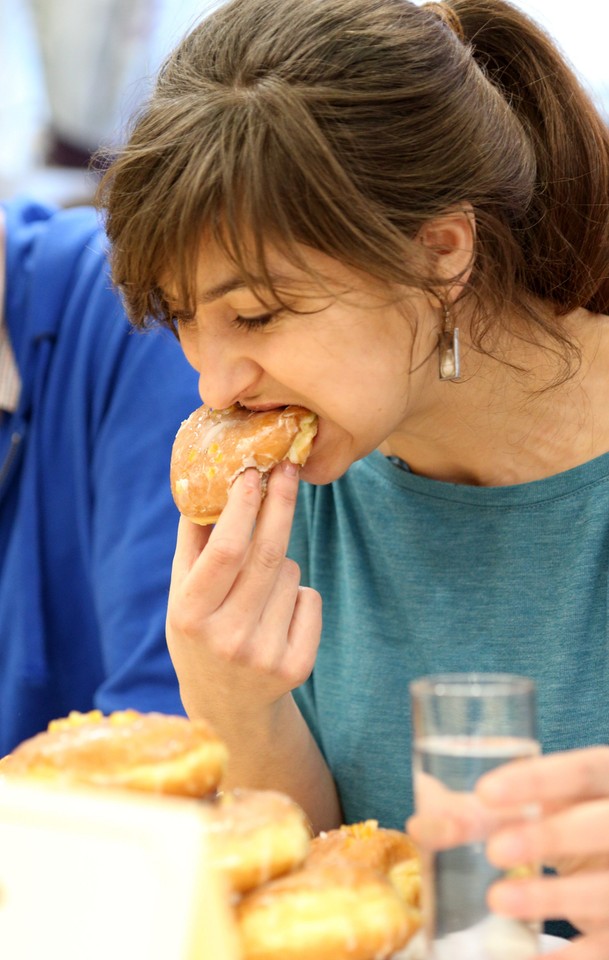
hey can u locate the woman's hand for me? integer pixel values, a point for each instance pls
(571, 834)
(241, 631)
(570, 831)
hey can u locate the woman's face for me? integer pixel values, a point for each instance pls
(342, 349)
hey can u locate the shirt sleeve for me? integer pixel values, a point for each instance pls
(88, 514)
(135, 521)
(126, 395)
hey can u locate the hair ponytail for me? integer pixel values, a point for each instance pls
(565, 233)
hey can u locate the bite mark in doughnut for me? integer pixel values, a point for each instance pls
(212, 447)
(332, 911)
(256, 835)
(150, 752)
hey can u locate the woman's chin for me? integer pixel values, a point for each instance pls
(332, 454)
(319, 470)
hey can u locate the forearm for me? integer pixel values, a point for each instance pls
(278, 752)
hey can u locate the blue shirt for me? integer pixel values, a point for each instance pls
(420, 576)
(87, 523)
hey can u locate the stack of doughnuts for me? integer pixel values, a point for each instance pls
(212, 447)
(348, 901)
(349, 894)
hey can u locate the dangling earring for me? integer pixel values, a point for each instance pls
(448, 346)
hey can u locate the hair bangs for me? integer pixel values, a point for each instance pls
(283, 188)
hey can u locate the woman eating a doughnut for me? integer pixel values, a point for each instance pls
(396, 217)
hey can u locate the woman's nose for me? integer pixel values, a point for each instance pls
(223, 382)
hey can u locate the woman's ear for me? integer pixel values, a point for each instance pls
(450, 238)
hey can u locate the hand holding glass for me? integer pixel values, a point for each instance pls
(463, 726)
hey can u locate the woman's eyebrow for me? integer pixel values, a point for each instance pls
(221, 290)
(277, 280)
(231, 284)
(210, 294)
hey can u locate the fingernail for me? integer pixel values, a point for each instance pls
(251, 479)
(290, 469)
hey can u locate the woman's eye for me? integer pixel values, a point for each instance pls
(253, 323)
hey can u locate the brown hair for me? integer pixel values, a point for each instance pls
(345, 125)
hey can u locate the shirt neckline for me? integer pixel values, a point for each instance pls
(558, 485)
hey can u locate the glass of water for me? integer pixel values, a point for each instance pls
(463, 726)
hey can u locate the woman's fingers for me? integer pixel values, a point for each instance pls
(447, 818)
(435, 832)
(268, 547)
(238, 596)
(577, 831)
(570, 794)
(576, 840)
(304, 633)
(230, 540)
(583, 900)
(556, 779)
(244, 550)
(207, 563)
(191, 540)
(238, 581)
(275, 618)
(292, 612)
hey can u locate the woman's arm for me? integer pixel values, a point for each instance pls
(243, 634)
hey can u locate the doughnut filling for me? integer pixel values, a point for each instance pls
(212, 447)
(150, 752)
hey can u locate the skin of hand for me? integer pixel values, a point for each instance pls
(242, 633)
(570, 833)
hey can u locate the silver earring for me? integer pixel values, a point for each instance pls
(448, 347)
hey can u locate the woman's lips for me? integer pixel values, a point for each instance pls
(263, 407)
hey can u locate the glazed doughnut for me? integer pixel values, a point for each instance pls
(332, 911)
(256, 835)
(391, 852)
(406, 878)
(365, 843)
(212, 447)
(149, 752)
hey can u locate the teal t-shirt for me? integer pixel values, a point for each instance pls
(419, 576)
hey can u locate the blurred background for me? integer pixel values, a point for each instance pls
(71, 74)
(73, 71)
